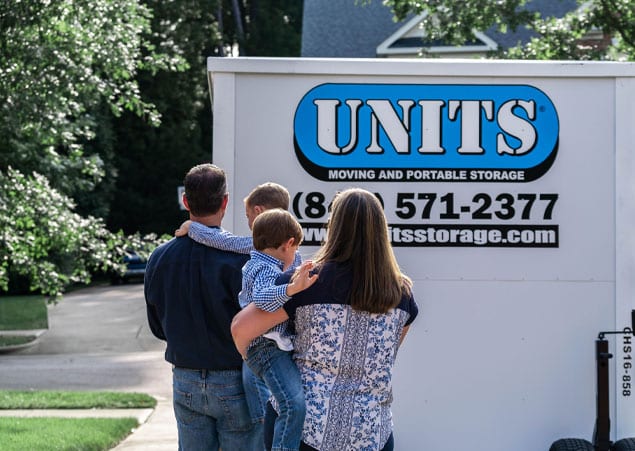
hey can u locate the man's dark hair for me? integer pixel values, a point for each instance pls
(205, 189)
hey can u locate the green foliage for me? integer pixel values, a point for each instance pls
(565, 38)
(58, 61)
(67, 67)
(63, 434)
(152, 161)
(273, 28)
(143, 245)
(83, 84)
(44, 240)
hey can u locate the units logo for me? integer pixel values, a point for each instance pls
(406, 132)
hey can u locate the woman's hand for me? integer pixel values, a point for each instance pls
(251, 322)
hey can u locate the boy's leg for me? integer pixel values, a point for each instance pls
(270, 421)
(279, 372)
(257, 394)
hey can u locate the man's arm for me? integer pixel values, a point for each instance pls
(154, 321)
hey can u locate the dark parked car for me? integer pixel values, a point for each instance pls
(135, 269)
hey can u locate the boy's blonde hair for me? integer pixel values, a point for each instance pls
(274, 227)
(268, 195)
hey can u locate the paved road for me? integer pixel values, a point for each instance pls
(98, 339)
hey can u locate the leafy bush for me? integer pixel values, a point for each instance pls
(45, 241)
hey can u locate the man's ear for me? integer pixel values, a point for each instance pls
(223, 205)
(185, 203)
(259, 209)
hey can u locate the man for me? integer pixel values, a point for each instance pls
(191, 293)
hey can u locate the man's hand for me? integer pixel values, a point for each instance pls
(182, 231)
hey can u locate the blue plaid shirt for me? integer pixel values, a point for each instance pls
(259, 286)
(226, 241)
(220, 239)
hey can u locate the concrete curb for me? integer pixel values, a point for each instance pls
(36, 333)
(141, 415)
(156, 434)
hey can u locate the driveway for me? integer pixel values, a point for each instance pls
(98, 339)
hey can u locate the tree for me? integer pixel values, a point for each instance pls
(151, 161)
(64, 66)
(553, 38)
(44, 241)
(59, 62)
(274, 28)
(84, 85)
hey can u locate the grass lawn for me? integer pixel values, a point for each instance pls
(54, 399)
(63, 434)
(23, 312)
(85, 434)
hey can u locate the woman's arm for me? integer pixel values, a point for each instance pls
(251, 322)
(403, 334)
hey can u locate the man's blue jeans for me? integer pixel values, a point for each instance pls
(211, 411)
(277, 369)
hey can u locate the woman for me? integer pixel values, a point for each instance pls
(348, 326)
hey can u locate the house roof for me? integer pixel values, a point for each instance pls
(350, 29)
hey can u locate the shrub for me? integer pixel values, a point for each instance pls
(43, 240)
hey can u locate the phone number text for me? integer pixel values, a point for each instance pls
(445, 206)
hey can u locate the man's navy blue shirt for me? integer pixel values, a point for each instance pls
(191, 293)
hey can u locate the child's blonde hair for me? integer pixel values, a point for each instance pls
(268, 195)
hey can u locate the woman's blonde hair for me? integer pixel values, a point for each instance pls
(358, 237)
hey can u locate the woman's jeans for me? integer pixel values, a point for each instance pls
(277, 369)
(211, 411)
